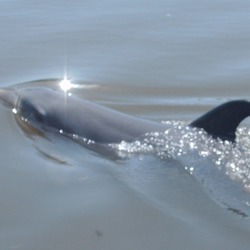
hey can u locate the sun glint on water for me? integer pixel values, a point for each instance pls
(65, 84)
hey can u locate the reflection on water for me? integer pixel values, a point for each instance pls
(161, 60)
(221, 167)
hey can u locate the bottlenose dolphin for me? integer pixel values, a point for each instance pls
(47, 109)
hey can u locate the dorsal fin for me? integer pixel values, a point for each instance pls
(222, 121)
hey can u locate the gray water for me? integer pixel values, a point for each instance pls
(160, 60)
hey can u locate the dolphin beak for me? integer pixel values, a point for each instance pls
(8, 97)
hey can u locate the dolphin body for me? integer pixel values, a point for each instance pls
(47, 109)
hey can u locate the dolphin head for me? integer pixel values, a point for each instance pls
(32, 105)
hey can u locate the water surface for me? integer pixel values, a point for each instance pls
(160, 60)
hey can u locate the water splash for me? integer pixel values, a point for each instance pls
(222, 168)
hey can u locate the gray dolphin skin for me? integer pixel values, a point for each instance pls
(47, 109)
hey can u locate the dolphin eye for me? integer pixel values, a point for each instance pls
(30, 112)
(38, 116)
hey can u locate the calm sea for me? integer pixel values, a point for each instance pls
(159, 60)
